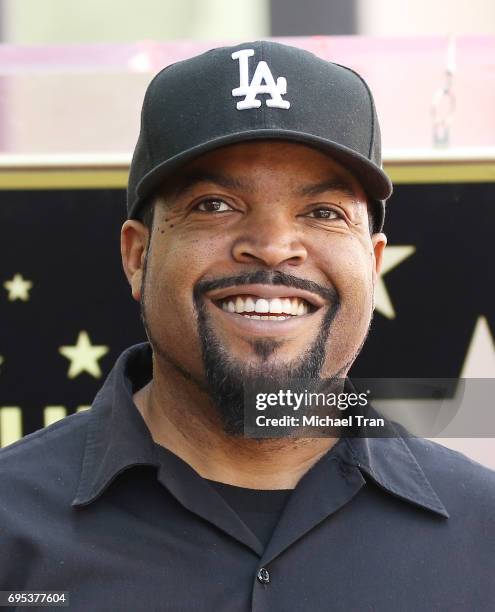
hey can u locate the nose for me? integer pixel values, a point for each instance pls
(270, 240)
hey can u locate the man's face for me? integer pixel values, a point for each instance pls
(260, 263)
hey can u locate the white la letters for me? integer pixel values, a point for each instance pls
(261, 83)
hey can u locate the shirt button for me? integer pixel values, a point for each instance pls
(263, 575)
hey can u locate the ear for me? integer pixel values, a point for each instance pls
(134, 239)
(379, 242)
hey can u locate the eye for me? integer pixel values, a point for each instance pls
(213, 205)
(324, 213)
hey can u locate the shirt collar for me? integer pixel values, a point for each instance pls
(390, 463)
(118, 439)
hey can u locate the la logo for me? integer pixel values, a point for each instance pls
(261, 83)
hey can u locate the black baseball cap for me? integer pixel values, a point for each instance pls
(256, 90)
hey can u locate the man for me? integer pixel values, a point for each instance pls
(254, 241)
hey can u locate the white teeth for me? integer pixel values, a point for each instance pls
(286, 306)
(265, 317)
(276, 305)
(262, 305)
(249, 305)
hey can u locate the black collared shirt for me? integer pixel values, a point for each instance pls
(259, 510)
(91, 505)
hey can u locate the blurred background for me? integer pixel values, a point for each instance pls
(72, 80)
(70, 21)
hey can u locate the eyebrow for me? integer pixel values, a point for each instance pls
(191, 179)
(332, 184)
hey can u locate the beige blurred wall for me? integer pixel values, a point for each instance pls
(416, 17)
(76, 21)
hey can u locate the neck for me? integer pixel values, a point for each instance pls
(181, 418)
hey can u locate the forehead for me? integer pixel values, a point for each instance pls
(288, 162)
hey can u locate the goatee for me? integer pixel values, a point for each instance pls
(228, 380)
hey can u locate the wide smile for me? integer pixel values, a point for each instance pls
(266, 309)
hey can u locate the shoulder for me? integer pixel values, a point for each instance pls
(40, 475)
(460, 482)
(56, 448)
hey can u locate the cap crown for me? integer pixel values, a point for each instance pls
(252, 91)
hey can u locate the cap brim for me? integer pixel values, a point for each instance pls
(373, 179)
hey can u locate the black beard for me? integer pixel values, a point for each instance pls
(227, 379)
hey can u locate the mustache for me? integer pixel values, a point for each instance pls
(265, 277)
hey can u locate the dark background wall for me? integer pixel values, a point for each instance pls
(66, 242)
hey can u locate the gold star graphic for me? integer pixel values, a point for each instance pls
(392, 257)
(18, 288)
(83, 356)
(468, 412)
(480, 356)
